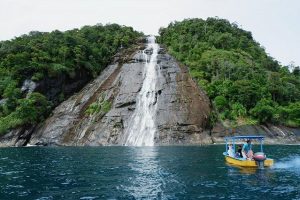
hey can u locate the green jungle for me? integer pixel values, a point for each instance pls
(244, 83)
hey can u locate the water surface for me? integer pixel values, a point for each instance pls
(143, 173)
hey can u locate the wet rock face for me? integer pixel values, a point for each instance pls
(183, 108)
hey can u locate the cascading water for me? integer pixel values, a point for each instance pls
(141, 127)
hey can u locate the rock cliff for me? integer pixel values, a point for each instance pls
(99, 113)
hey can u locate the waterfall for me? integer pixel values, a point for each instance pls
(141, 127)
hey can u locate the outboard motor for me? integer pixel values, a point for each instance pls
(260, 158)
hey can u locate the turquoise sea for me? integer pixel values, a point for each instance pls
(180, 172)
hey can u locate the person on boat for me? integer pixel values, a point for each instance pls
(247, 149)
(239, 152)
(230, 150)
(250, 154)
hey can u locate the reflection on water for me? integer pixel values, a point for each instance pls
(152, 174)
(146, 180)
(144, 173)
(243, 170)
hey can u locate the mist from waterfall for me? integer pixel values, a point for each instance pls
(141, 127)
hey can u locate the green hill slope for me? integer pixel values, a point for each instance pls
(246, 85)
(54, 61)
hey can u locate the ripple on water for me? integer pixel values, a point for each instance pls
(136, 173)
(88, 198)
(45, 198)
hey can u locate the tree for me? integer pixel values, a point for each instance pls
(238, 110)
(264, 110)
(33, 109)
(296, 71)
(12, 94)
(221, 103)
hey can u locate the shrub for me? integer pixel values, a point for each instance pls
(264, 110)
(221, 103)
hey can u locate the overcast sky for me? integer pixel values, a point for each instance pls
(275, 24)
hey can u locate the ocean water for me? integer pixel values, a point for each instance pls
(181, 172)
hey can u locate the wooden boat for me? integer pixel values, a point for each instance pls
(259, 159)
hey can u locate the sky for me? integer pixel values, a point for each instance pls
(275, 24)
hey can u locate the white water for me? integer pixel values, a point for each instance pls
(141, 127)
(292, 163)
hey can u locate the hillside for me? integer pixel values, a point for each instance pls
(110, 85)
(40, 70)
(245, 84)
(134, 102)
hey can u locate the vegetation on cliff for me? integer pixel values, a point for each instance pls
(245, 84)
(39, 56)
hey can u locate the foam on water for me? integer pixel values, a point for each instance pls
(290, 163)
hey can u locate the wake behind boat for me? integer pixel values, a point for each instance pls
(242, 155)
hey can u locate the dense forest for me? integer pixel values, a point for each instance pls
(245, 84)
(39, 56)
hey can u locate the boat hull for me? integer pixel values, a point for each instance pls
(247, 163)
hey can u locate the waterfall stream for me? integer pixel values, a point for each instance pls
(141, 127)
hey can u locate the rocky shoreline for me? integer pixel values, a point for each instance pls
(273, 134)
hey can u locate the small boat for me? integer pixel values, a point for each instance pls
(259, 159)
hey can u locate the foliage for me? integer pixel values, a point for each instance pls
(221, 103)
(264, 110)
(105, 106)
(34, 108)
(238, 75)
(93, 108)
(213, 118)
(39, 56)
(98, 107)
(29, 111)
(290, 114)
(10, 121)
(238, 110)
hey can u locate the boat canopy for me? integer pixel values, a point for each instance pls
(248, 137)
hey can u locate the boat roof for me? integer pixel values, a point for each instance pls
(259, 137)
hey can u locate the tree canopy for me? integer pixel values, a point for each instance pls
(240, 78)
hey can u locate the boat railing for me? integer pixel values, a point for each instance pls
(233, 140)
